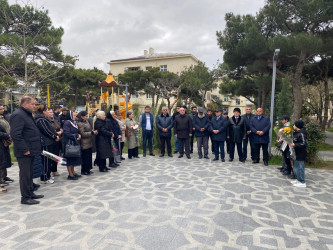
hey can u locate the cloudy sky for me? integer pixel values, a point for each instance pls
(103, 30)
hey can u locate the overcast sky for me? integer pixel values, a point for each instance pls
(103, 30)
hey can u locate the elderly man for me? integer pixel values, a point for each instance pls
(192, 115)
(219, 125)
(260, 125)
(173, 118)
(201, 125)
(183, 131)
(236, 133)
(27, 144)
(164, 124)
(247, 118)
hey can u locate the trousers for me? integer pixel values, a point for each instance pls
(182, 142)
(202, 142)
(26, 171)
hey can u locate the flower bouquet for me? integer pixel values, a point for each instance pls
(55, 158)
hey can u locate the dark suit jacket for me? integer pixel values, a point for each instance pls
(264, 124)
(237, 131)
(220, 125)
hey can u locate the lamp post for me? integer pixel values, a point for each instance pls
(275, 58)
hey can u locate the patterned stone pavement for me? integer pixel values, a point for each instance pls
(171, 203)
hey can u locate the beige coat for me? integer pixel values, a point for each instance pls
(132, 140)
(122, 128)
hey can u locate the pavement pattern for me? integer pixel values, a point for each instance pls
(171, 203)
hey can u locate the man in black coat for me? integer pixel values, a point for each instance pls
(227, 141)
(183, 131)
(237, 133)
(27, 144)
(192, 115)
(173, 118)
(247, 118)
(218, 127)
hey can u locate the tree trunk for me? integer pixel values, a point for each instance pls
(296, 84)
(326, 98)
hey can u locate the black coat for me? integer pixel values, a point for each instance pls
(113, 125)
(183, 126)
(103, 139)
(47, 130)
(164, 122)
(221, 125)
(25, 133)
(5, 160)
(237, 132)
(199, 123)
(260, 125)
(247, 120)
(300, 141)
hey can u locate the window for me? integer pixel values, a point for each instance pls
(226, 99)
(225, 109)
(237, 101)
(164, 68)
(148, 67)
(133, 68)
(148, 96)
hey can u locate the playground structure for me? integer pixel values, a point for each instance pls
(106, 99)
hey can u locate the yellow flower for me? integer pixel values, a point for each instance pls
(287, 130)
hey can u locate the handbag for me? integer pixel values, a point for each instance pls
(127, 133)
(72, 149)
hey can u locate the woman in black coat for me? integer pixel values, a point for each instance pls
(113, 126)
(71, 135)
(5, 159)
(103, 141)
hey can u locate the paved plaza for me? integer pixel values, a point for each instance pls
(171, 203)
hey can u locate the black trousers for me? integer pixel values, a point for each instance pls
(264, 147)
(239, 150)
(211, 139)
(227, 143)
(26, 171)
(181, 143)
(286, 161)
(122, 144)
(134, 152)
(165, 140)
(245, 143)
(86, 156)
(47, 163)
(191, 142)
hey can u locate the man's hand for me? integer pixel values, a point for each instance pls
(261, 133)
(292, 144)
(27, 153)
(215, 131)
(58, 138)
(190, 135)
(176, 135)
(249, 132)
(202, 129)
(119, 136)
(79, 137)
(95, 132)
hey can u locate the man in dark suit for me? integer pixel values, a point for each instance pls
(249, 137)
(236, 133)
(218, 127)
(183, 131)
(260, 125)
(27, 144)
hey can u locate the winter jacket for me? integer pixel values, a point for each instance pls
(47, 130)
(221, 125)
(237, 132)
(264, 124)
(86, 133)
(25, 133)
(113, 125)
(183, 126)
(103, 139)
(5, 159)
(132, 140)
(300, 141)
(199, 123)
(164, 122)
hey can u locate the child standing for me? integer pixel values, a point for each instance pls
(299, 144)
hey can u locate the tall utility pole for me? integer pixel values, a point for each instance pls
(275, 58)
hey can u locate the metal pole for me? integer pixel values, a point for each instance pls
(272, 103)
(126, 97)
(11, 101)
(48, 95)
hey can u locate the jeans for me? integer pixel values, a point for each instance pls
(299, 169)
(147, 135)
(219, 145)
(245, 143)
(202, 141)
(239, 150)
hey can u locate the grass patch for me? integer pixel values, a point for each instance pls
(325, 147)
(330, 129)
(275, 160)
(11, 148)
(327, 165)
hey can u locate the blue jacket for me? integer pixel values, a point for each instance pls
(199, 123)
(164, 122)
(221, 125)
(264, 124)
(143, 121)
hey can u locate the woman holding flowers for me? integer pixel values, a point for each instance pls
(132, 138)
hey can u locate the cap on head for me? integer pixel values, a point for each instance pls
(200, 109)
(299, 124)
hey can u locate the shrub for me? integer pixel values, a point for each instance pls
(315, 137)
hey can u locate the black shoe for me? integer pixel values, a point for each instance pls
(77, 175)
(90, 172)
(266, 163)
(138, 156)
(29, 202)
(231, 160)
(191, 151)
(129, 157)
(279, 168)
(255, 162)
(122, 158)
(241, 160)
(72, 178)
(161, 155)
(176, 152)
(144, 155)
(113, 165)
(216, 159)
(170, 155)
(180, 156)
(206, 157)
(36, 186)
(200, 157)
(7, 179)
(37, 196)
(223, 160)
(107, 168)
(286, 173)
(188, 156)
(292, 176)
(85, 173)
(152, 154)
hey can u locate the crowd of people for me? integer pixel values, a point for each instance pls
(37, 128)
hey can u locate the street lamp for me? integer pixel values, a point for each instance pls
(275, 58)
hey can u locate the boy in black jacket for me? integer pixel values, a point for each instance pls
(299, 144)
